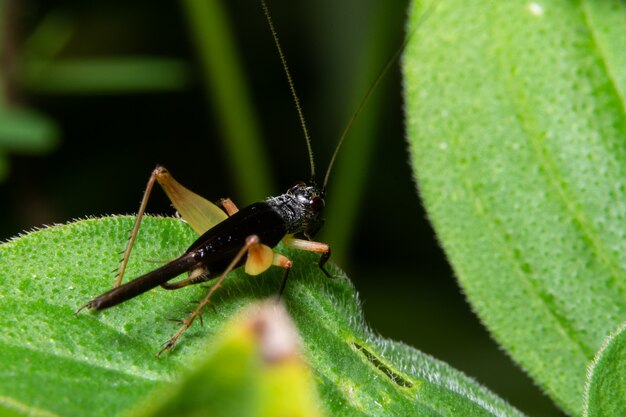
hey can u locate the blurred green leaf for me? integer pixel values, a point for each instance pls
(349, 178)
(605, 393)
(49, 37)
(25, 131)
(516, 124)
(21, 129)
(103, 363)
(227, 86)
(113, 75)
(253, 368)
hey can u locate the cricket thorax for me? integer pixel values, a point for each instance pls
(299, 208)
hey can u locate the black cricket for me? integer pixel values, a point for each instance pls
(294, 212)
(238, 237)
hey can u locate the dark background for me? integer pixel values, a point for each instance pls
(110, 139)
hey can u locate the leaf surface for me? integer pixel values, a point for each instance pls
(605, 393)
(515, 114)
(103, 363)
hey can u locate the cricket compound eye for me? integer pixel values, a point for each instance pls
(317, 203)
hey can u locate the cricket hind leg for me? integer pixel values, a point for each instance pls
(135, 229)
(198, 212)
(259, 258)
(186, 322)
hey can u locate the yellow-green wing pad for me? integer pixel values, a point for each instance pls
(200, 213)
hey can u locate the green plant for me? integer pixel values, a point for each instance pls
(515, 117)
(104, 364)
(516, 123)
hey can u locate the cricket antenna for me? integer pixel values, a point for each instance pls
(372, 87)
(292, 88)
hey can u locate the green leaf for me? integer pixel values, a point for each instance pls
(103, 363)
(112, 75)
(26, 131)
(516, 124)
(254, 368)
(21, 129)
(605, 392)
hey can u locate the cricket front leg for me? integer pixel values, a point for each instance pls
(285, 263)
(312, 246)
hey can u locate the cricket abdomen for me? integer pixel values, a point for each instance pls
(216, 248)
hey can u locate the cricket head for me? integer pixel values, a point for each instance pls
(300, 208)
(309, 199)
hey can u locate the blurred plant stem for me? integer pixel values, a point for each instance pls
(226, 85)
(347, 183)
(21, 129)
